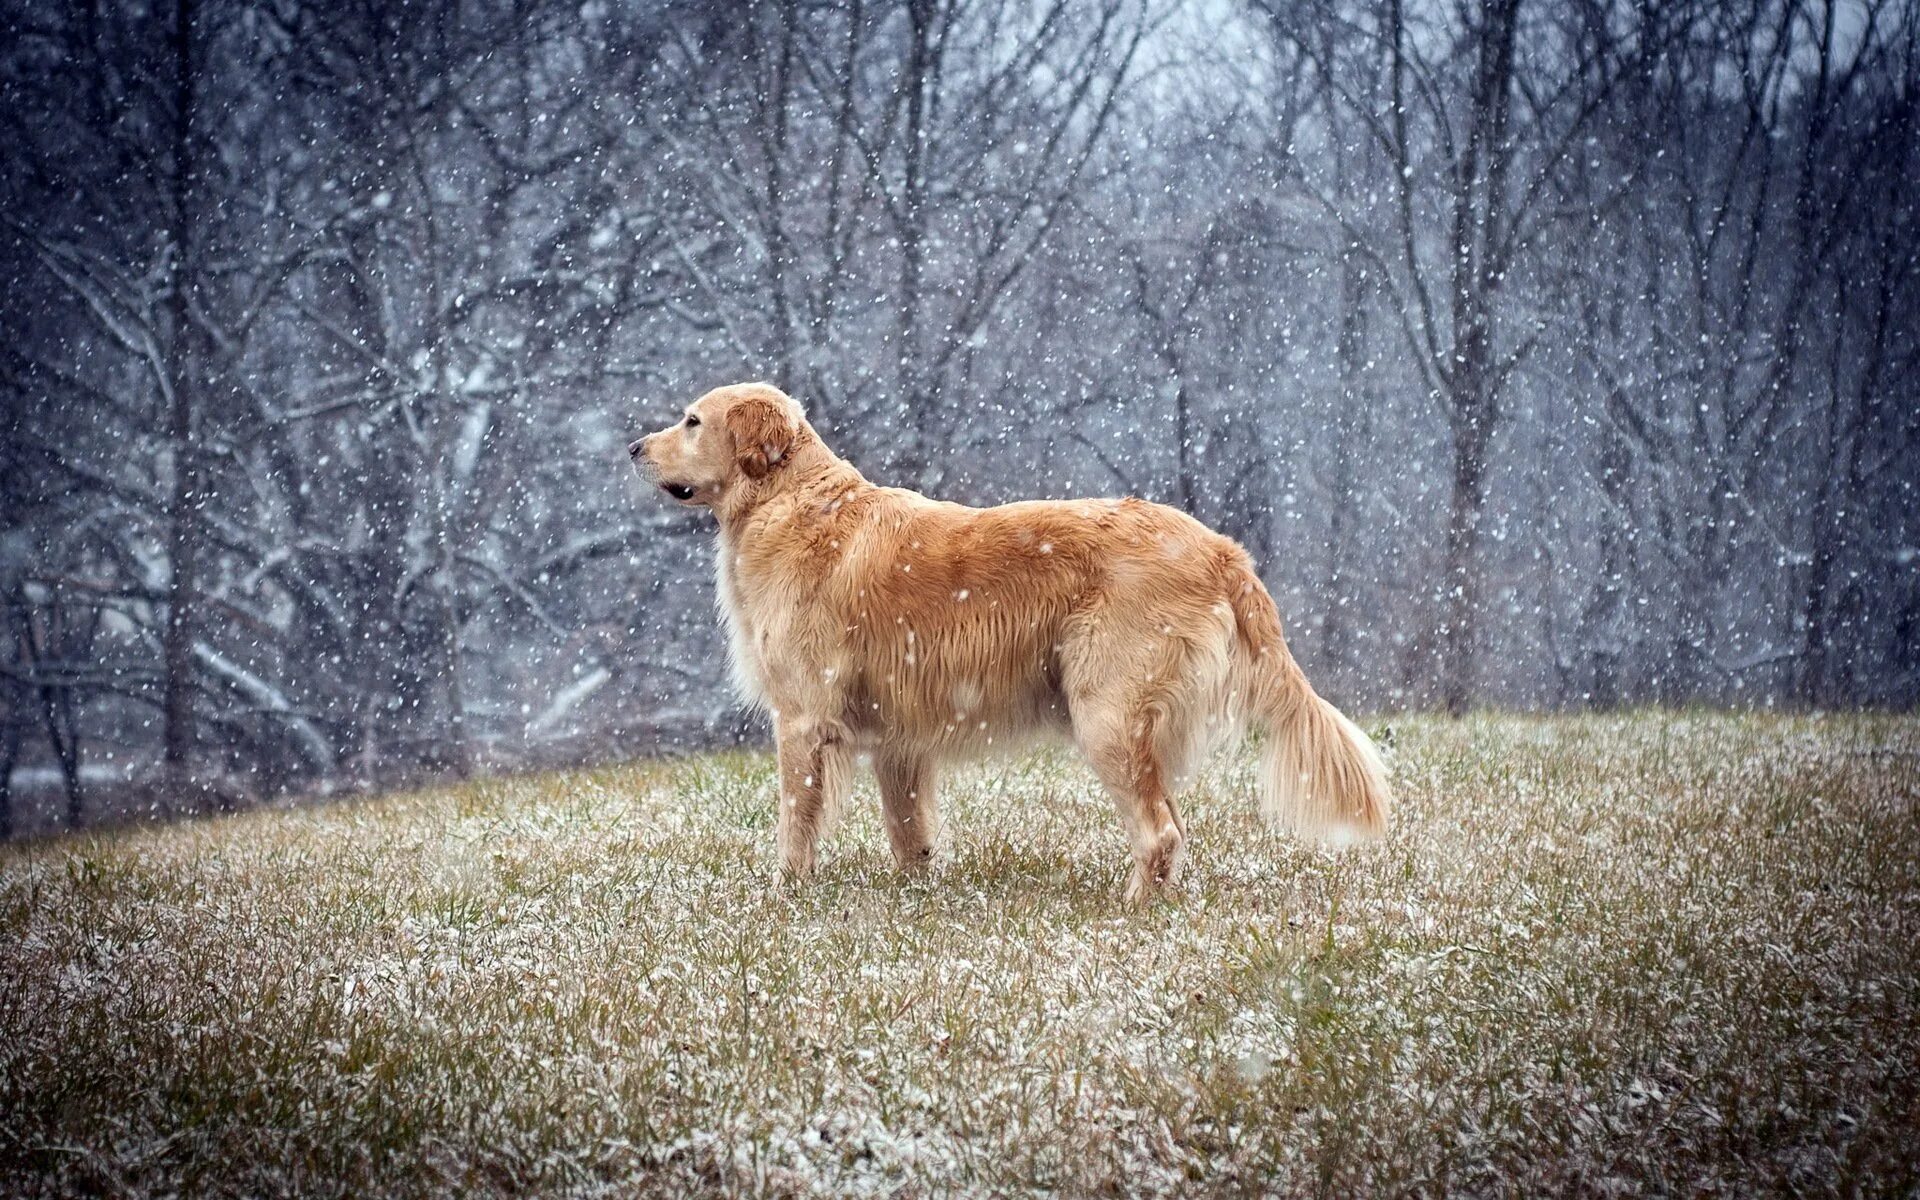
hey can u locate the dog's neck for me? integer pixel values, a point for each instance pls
(807, 468)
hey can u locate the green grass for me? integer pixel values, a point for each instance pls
(1648, 954)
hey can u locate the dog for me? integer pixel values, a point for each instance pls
(874, 621)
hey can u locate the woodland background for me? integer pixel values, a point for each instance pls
(1546, 355)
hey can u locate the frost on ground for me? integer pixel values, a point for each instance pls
(1646, 954)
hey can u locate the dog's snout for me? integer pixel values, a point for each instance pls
(635, 446)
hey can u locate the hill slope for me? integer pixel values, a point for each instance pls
(1596, 954)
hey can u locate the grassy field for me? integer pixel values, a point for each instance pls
(1647, 954)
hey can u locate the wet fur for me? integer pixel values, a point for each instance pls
(875, 620)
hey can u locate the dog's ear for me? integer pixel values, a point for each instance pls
(762, 435)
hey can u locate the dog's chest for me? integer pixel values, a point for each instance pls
(782, 651)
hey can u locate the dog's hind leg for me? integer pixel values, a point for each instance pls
(1124, 739)
(1123, 753)
(815, 773)
(1140, 705)
(907, 801)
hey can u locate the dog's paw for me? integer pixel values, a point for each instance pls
(916, 862)
(1157, 869)
(796, 868)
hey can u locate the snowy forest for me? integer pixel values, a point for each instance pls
(1546, 354)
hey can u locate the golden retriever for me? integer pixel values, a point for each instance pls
(873, 620)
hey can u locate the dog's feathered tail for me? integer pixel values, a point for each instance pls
(1319, 774)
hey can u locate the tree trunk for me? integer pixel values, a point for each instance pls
(914, 386)
(1458, 634)
(775, 116)
(10, 739)
(1473, 382)
(451, 749)
(1819, 655)
(183, 541)
(56, 710)
(1601, 619)
(1183, 482)
(1345, 428)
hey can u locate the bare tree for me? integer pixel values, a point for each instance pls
(1477, 124)
(1741, 361)
(954, 135)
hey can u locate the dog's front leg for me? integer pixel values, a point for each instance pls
(814, 764)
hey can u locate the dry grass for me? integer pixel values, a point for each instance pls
(1654, 953)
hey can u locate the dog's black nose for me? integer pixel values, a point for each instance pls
(633, 447)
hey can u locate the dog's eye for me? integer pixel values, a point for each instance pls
(693, 422)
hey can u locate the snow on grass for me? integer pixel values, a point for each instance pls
(1626, 955)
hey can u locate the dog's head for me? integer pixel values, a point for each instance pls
(731, 436)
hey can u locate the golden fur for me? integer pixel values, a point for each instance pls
(874, 620)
